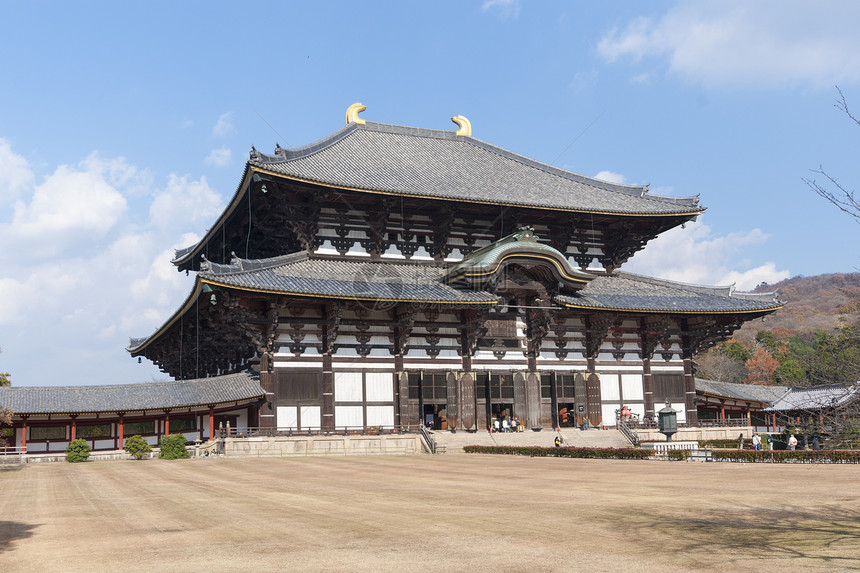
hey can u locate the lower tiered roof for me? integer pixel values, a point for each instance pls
(153, 396)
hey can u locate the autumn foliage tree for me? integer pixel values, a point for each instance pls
(760, 367)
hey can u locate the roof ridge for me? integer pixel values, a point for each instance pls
(719, 290)
(211, 379)
(239, 265)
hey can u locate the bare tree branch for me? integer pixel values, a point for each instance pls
(844, 199)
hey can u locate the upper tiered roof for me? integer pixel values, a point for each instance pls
(450, 168)
(398, 160)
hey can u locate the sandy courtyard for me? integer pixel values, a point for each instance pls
(428, 513)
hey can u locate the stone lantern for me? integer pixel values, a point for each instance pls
(667, 421)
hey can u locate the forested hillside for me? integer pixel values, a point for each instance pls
(813, 339)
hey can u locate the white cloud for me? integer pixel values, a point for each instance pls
(505, 8)
(184, 201)
(698, 256)
(735, 42)
(15, 174)
(79, 277)
(224, 125)
(611, 177)
(75, 203)
(219, 157)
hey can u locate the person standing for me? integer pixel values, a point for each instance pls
(792, 442)
(770, 441)
(756, 441)
(741, 441)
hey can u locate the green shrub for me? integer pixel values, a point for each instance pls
(137, 446)
(173, 447)
(789, 456)
(78, 451)
(678, 455)
(535, 451)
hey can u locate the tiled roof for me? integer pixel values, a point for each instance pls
(816, 397)
(782, 398)
(751, 392)
(132, 397)
(630, 292)
(435, 163)
(300, 275)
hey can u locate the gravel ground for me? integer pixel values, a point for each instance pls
(428, 514)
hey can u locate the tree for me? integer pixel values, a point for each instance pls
(78, 451)
(137, 446)
(5, 413)
(173, 447)
(832, 190)
(761, 367)
(719, 367)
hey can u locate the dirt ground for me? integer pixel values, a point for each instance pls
(428, 513)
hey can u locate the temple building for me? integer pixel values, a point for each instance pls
(388, 277)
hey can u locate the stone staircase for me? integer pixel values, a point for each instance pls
(453, 442)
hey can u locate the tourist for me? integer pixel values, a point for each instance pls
(792, 442)
(816, 443)
(557, 442)
(770, 441)
(741, 441)
(756, 440)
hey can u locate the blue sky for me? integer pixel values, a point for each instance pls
(124, 128)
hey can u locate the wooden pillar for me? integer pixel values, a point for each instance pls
(167, 422)
(24, 434)
(74, 426)
(553, 398)
(120, 430)
(328, 421)
(421, 397)
(648, 389)
(266, 412)
(520, 396)
(722, 412)
(749, 416)
(773, 419)
(211, 423)
(400, 405)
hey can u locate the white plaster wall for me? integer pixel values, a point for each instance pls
(287, 417)
(380, 416)
(348, 416)
(608, 412)
(347, 387)
(631, 387)
(311, 416)
(379, 387)
(609, 387)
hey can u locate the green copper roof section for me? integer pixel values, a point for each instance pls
(522, 245)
